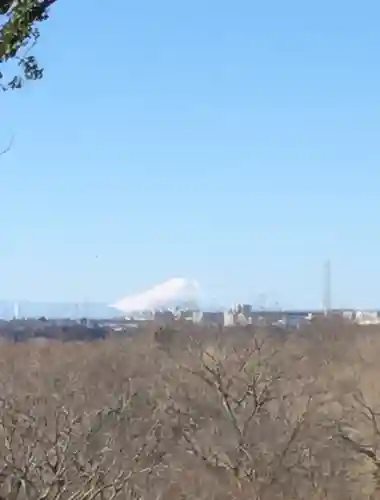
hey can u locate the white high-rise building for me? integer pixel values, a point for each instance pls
(16, 310)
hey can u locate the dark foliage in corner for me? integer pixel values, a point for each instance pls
(19, 32)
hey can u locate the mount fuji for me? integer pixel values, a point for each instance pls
(173, 293)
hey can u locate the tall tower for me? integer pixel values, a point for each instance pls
(15, 310)
(327, 288)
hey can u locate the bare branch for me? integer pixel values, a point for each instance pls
(8, 147)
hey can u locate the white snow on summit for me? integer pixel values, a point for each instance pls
(171, 293)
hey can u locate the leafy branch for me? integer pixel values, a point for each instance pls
(18, 34)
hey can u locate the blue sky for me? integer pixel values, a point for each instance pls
(236, 143)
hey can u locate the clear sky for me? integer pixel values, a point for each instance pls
(236, 143)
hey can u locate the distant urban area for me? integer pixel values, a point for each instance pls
(21, 328)
(175, 301)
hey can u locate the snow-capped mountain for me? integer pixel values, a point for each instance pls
(176, 292)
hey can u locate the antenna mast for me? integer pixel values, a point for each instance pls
(327, 288)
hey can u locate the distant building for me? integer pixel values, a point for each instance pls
(197, 316)
(188, 315)
(241, 319)
(367, 317)
(237, 308)
(348, 315)
(229, 318)
(213, 318)
(247, 310)
(164, 316)
(140, 316)
(293, 321)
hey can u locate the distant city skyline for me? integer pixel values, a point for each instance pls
(74, 311)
